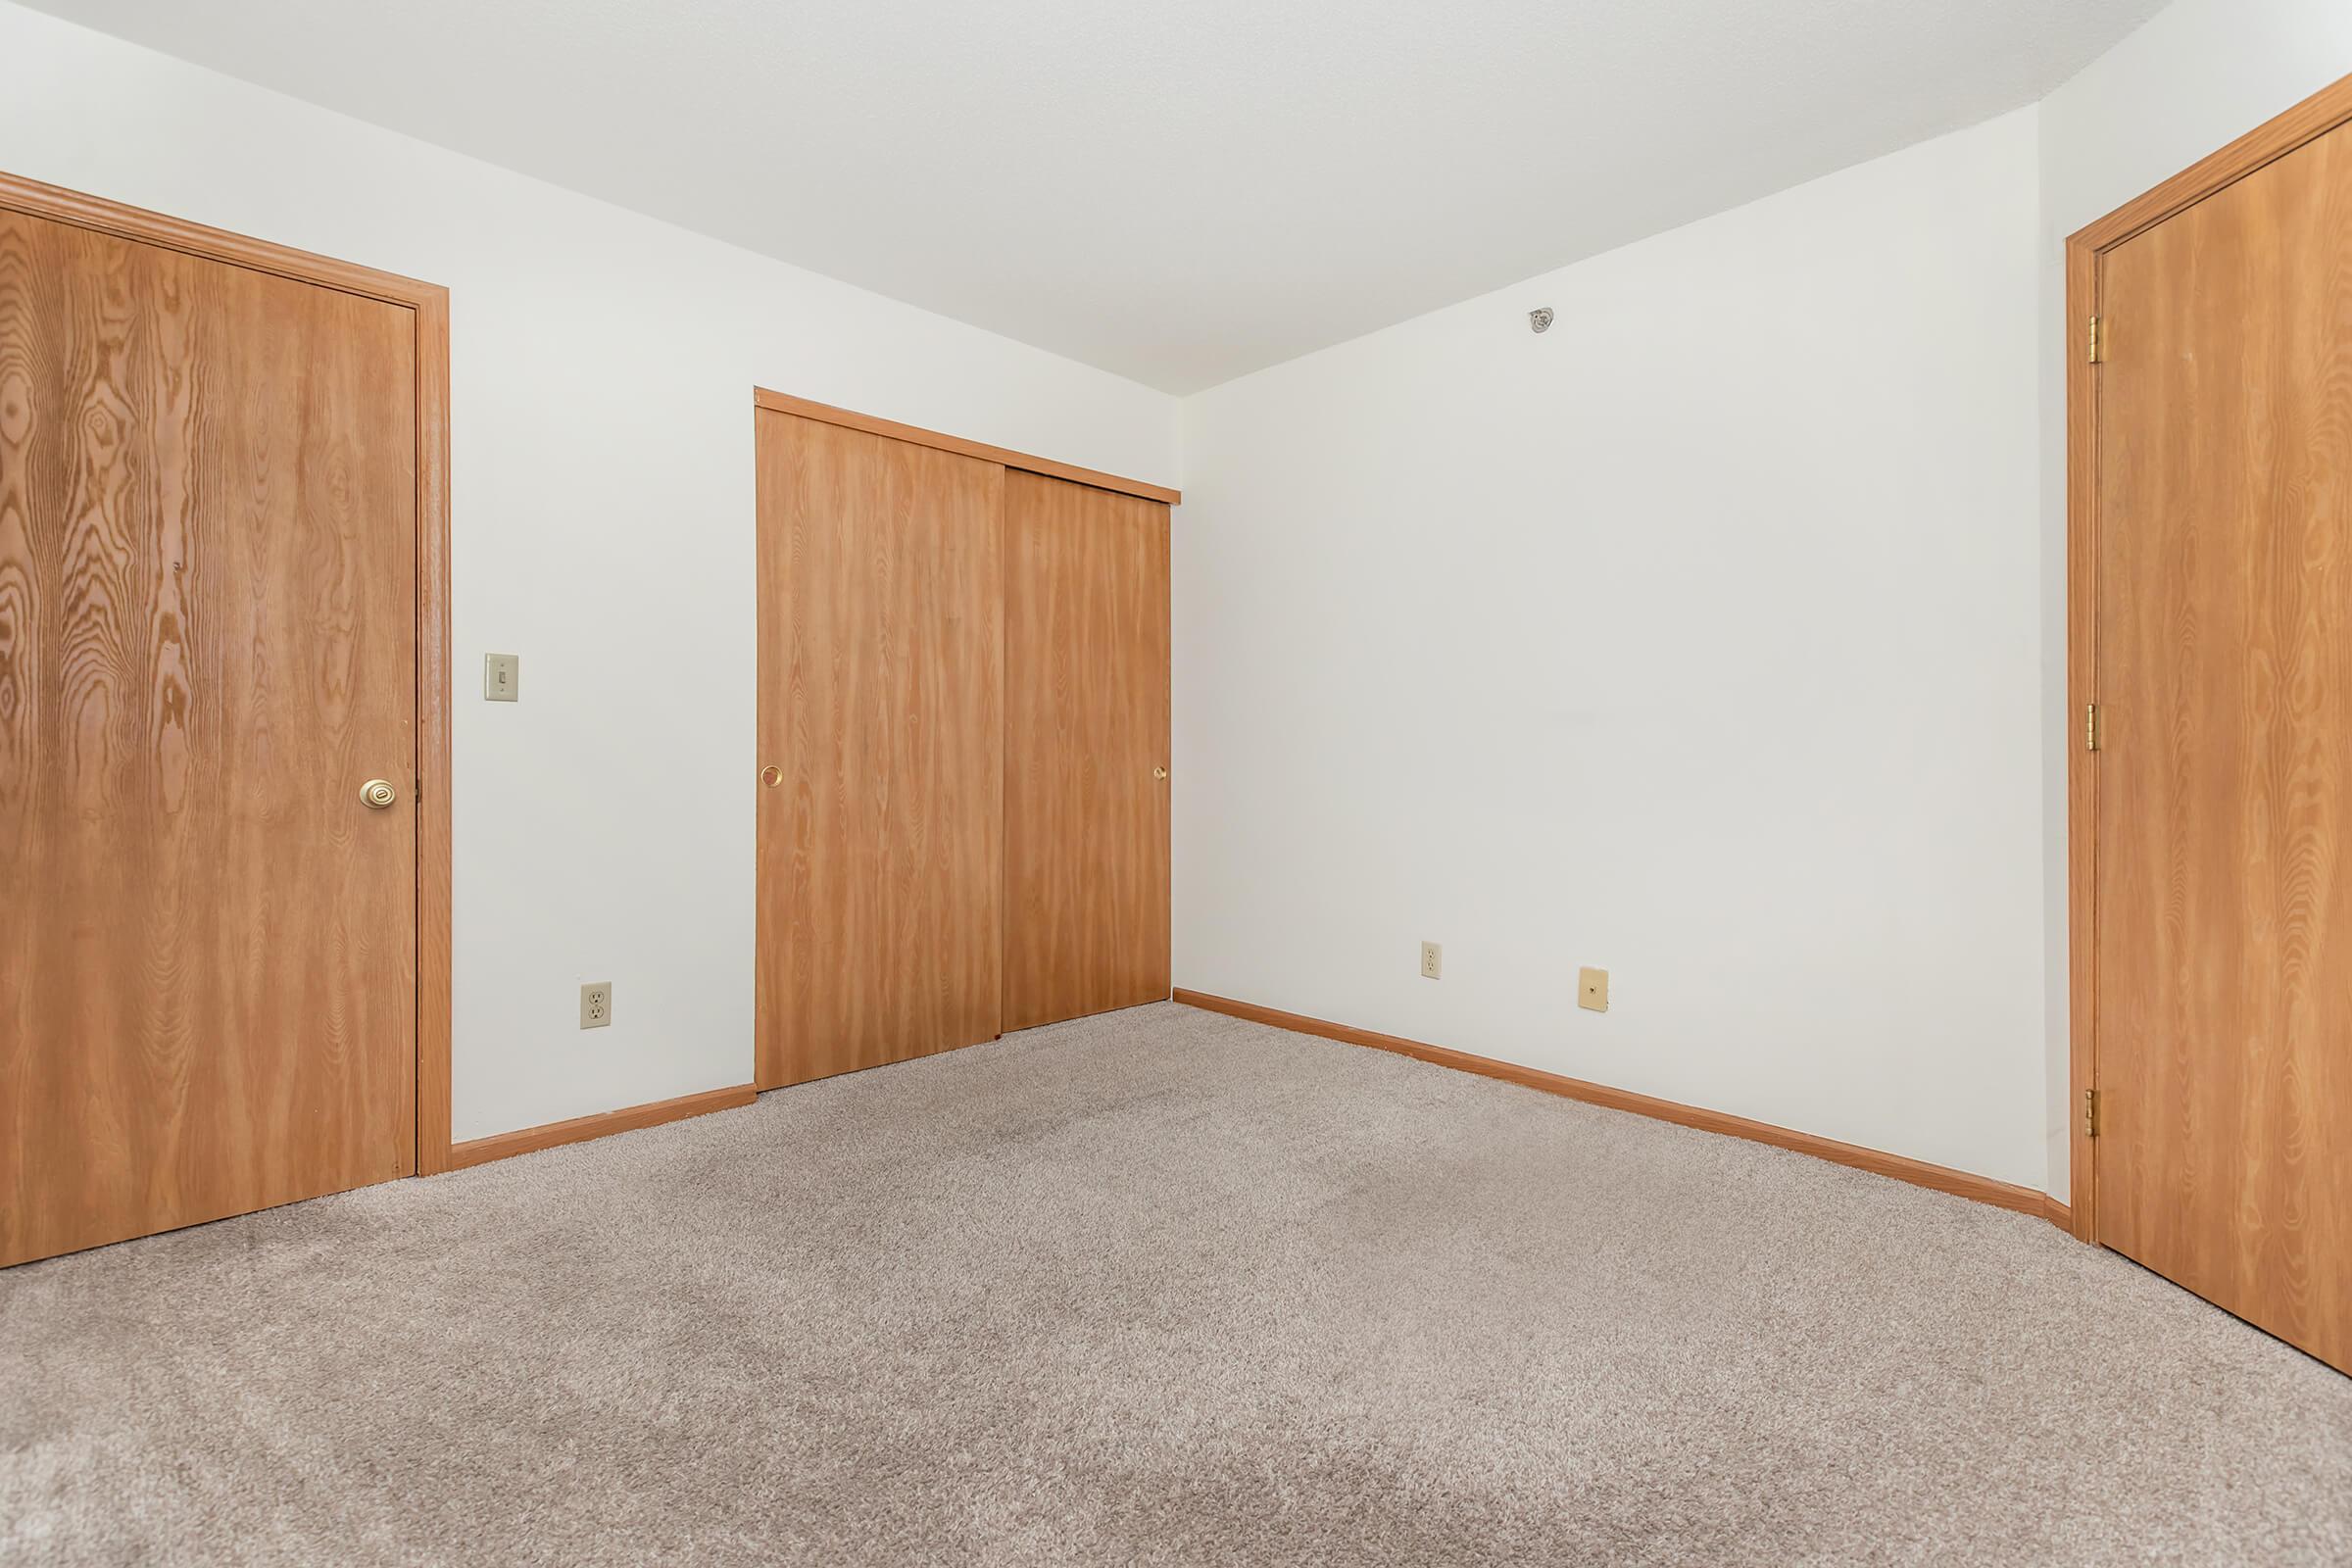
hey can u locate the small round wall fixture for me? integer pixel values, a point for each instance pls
(1540, 319)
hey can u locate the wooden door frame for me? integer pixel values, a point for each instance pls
(2313, 117)
(430, 798)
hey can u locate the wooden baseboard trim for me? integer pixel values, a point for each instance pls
(2056, 1211)
(578, 1130)
(1918, 1172)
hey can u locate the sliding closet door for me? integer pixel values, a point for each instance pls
(881, 733)
(1086, 750)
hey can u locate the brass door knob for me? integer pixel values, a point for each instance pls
(1160, 773)
(771, 775)
(377, 794)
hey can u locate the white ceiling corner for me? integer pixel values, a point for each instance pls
(1179, 193)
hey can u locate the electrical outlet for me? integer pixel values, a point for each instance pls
(1592, 989)
(1432, 960)
(596, 1004)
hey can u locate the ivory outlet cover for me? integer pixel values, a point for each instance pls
(1592, 989)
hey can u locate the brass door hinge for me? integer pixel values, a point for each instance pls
(2090, 726)
(2098, 346)
(2091, 1113)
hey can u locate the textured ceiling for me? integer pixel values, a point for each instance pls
(1180, 192)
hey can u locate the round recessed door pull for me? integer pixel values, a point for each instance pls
(771, 775)
(377, 794)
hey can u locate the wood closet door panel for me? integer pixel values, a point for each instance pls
(208, 536)
(1086, 743)
(2223, 860)
(881, 685)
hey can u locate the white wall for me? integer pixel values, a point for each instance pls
(2196, 77)
(1472, 642)
(602, 519)
(1698, 639)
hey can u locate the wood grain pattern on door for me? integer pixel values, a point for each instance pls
(881, 681)
(2223, 957)
(208, 534)
(1086, 750)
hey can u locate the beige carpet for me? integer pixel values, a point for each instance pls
(1156, 1287)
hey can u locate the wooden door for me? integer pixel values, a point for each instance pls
(1086, 750)
(2223, 878)
(881, 681)
(208, 533)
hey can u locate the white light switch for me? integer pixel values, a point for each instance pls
(502, 673)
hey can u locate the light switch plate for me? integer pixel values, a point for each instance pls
(596, 1004)
(502, 676)
(1592, 989)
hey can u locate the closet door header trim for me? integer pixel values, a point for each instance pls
(826, 413)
